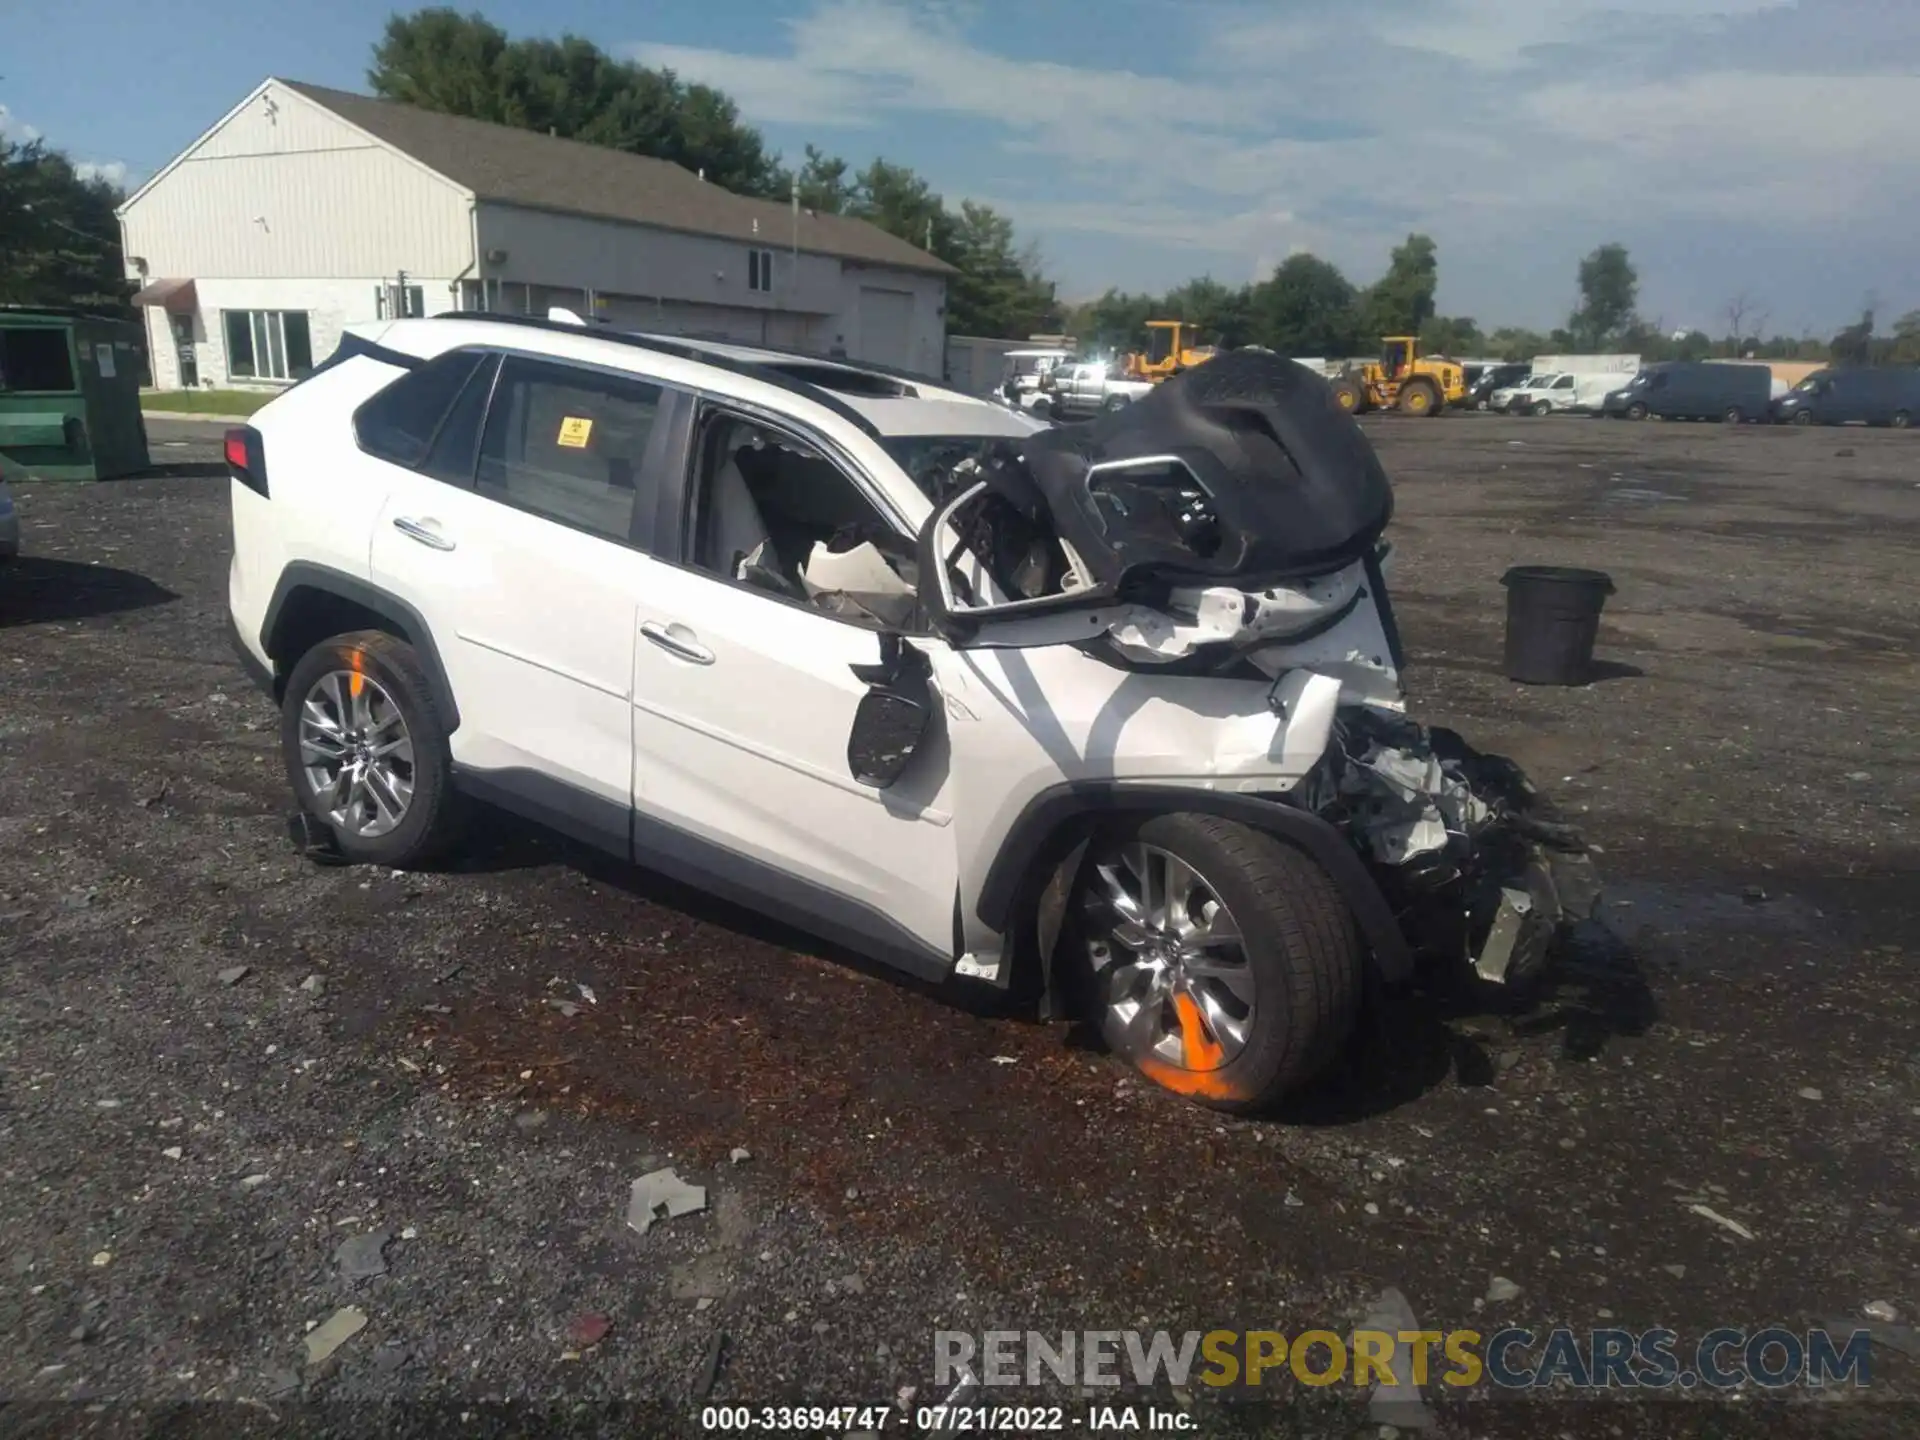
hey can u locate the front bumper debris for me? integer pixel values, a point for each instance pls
(1479, 866)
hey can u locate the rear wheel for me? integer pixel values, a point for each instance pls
(366, 750)
(1733, 415)
(1348, 395)
(1902, 419)
(1221, 963)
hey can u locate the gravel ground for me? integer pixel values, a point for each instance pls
(218, 1063)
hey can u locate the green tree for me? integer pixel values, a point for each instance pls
(1306, 307)
(1451, 335)
(823, 183)
(999, 291)
(1401, 301)
(460, 64)
(1853, 345)
(59, 239)
(1513, 343)
(1116, 322)
(1609, 291)
(1906, 339)
(902, 203)
(1222, 314)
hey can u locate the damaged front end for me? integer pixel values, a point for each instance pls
(1476, 863)
(1230, 525)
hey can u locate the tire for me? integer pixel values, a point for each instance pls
(1292, 946)
(1902, 419)
(429, 821)
(1113, 403)
(1733, 415)
(1637, 410)
(1803, 417)
(1542, 407)
(1418, 399)
(1348, 395)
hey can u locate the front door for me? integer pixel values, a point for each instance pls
(185, 355)
(743, 703)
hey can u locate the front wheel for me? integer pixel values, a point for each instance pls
(366, 750)
(1542, 407)
(1636, 411)
(1221, 963)
(1348, 395)
(1902, 419)
(1733, 415)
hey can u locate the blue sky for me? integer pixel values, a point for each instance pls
(1754, 147)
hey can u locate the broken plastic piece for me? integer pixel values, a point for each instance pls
(661, 1195)
(314, 840)
(335, 1331)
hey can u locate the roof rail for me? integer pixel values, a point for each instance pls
(766, 374)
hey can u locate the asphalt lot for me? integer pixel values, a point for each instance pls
(182, 1151)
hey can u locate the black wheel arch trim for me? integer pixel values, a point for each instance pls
(305, 575)
(1024, 860)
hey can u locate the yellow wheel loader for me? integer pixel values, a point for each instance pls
(1168, 351)
(1402, 379)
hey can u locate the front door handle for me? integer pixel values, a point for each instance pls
(423, 531)
(677, 640)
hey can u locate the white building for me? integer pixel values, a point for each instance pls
(306, 210)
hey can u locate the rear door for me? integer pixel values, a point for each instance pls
(525, 552)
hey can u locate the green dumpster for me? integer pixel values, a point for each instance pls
(70, 394)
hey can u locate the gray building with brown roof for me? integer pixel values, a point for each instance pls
(306, 210)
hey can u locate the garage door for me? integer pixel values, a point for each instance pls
(886, 327)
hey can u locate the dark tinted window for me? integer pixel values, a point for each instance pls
(35, 359)
(568, 443)
(457, 445)
(399, 423)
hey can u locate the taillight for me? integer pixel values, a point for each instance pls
(247, 458)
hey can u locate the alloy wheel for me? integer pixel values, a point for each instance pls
(356, 753)
(1176, 988)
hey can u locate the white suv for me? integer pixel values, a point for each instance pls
(1079, 713)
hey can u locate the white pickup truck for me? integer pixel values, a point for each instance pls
(1089, 388)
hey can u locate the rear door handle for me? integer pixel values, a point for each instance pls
(677, 640)
(423, 531)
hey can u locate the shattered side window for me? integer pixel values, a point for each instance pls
(930, 460)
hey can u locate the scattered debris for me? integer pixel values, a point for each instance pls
(1753, 894)
(703, 1303)
(436, 1009)
(528, 1121)
(739, 1155)
(314, 983)
(1880, 1310)
(586, 994)
(1399, 1404)
(710, 1367)
(662, 1191)
(588, 1330)
(1004, 1060)
(334, 1332)
(409, 1233)
(253, 1182)
(102, 1258)
(363, 1256)
(852, 1193)
(1292, 1201)
(854, 1285)
(158, 797)
(234, 974)
(565, 1007)
(173, 1152)
(1501, 1289)
(1717, 1218)
(1859, 776)
(1678, 1272)
(1810, 1093)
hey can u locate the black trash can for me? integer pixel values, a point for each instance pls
(1553, 615)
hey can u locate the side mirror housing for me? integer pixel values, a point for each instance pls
(893, 716)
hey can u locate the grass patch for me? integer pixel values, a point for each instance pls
(206, 402)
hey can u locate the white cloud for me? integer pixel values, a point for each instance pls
(1519, 136)
(15, 129)
(114, 172)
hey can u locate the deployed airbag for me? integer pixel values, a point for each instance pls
(1241, 468)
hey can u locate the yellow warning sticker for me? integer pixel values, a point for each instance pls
(575, 431)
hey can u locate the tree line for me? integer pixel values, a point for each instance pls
(59, 240)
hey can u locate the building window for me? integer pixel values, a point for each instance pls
(399, 302)
(268, 344)
(760, 270)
